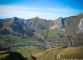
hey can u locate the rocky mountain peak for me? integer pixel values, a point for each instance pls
(60, 18)
(36, 18)
(59, 24)
(15, 18)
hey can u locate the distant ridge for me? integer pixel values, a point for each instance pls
(47, 33)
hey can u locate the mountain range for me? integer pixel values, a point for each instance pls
(66, 31)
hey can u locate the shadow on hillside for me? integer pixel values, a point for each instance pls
(12, 56)
(34, 58)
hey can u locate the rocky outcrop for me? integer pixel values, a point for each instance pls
(21, 27)
(71, 40)
(80, 26)
(59, 24)
(22, 22)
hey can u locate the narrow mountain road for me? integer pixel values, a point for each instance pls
(58, 57)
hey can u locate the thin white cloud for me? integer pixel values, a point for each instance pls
(28, 12)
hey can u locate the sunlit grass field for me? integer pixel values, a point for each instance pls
(61, 53)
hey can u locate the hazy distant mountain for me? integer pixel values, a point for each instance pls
(50, 33)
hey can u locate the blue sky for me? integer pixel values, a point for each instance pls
(47, 9)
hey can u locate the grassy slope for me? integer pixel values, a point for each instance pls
(29, 50)
(5, 25)
(50, 54)
(65, 53)
(16, 39)
(72, 53)
(43, 22)
(52, 35)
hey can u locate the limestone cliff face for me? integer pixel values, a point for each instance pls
(23, 22)
(59, 24)
(21, 27)
(80, 26)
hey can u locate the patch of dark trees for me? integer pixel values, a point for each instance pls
(13, 56)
